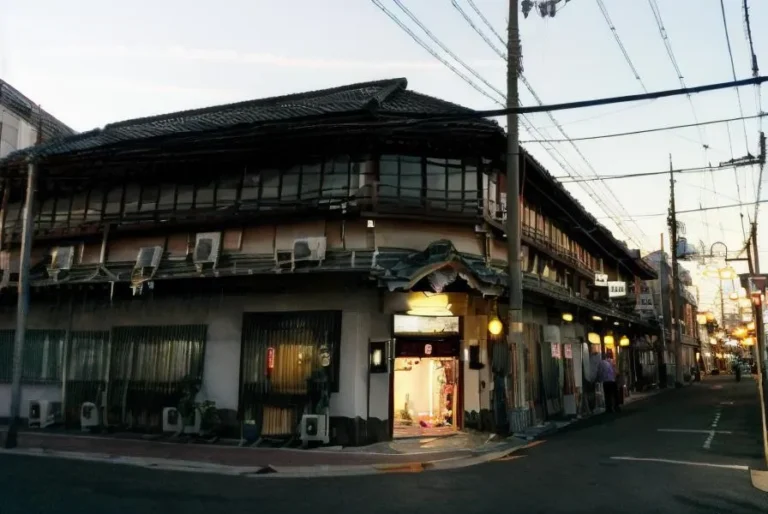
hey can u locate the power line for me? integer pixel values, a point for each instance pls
(704, 169)
(741, 112)
(645, 131)
(599, 201)
(611, 26)
(700, 209)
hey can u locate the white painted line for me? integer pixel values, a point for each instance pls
(686, 431)
(684, 462)
(708, 442)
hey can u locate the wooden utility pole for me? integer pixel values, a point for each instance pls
(22, 306)
(516, 382)
(676, 328)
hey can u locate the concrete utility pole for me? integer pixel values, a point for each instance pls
(676, 332)
(516, 390)
(22, 306)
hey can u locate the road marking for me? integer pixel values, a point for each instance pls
(708, 442)
(684, 462)
(686, 431)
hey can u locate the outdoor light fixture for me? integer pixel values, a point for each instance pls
(608, 340)
(710, 316)
(727, 273)
(740, 332)
(567, 316)
(751, 325)
(624, 341)
(593, 338)
(749, 341)
(734, 296)
(378, 357)
(495, 326)
(429, 305)
(596, 318)
(616, 323)
(701, 319)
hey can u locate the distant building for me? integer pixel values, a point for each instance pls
(23, 123)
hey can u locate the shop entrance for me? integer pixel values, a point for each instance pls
(426, 386)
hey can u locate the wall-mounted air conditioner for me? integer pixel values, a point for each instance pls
(172, 422)
(62, 258)
(89, 416)
(207, 249)
(44, 413)
(309, 249)
(314, 428)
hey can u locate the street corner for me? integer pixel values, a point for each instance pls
(759, 479)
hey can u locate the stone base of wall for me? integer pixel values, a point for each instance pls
(357, 431)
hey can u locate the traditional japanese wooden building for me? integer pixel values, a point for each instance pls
(355, 230)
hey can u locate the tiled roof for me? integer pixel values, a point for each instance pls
(13, 100)
(386, 99)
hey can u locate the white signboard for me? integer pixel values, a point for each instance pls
(426, 324)
(644, 299)
(601, 280)
(616, 289)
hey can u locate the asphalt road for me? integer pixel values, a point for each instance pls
(574, 471)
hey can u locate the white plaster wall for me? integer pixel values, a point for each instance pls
(223, 315)
(379, 393)
(28, 393)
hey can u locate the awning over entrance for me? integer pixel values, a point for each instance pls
(441, 258)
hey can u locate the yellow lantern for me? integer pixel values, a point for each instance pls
(567, 316)
(624, 341)
(593, 338)
(710, 316)
(495, 326)
(701, 319)
(608, 340)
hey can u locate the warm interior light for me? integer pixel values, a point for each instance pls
(745, 302)
(734, 296)
(701, 319)
(608, 340)
(593, 338)
(624, 341)
(749, 341)
(751, 325)
(567, 316)
(376, 358)
(727, 273)
(429, 305)
(710, 316)
(597, 318)
(495, 326)
(740, 332)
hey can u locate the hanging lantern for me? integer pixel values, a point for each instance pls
(495, 326)
(624, 341)
(608, 340)
(701, 319)
(593, 338)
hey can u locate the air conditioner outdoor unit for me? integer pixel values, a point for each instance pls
(89, 416)
(309, 249)
(62, 258)
(207, 249)
(44, 413)
(149, 257)
(172, 422)
(314, 427)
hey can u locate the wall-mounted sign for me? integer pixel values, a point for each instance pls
(436, 325)
(427, 349)
(555, 350)
(616, 289)
(270, 358)
(601, 280)
(568, 351)
(644, 298)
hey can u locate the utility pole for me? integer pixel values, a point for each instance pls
(760, 353)
(676, 328)
(516, 386)
(22, 307)
(661, 368)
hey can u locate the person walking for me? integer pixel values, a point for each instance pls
(606, 374)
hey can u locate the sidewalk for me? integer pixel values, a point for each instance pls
(398, 456)
(403, 455)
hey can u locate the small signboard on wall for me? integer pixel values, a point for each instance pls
(568, 351)
(601, 280)
(556, 350)
(617, 289)
(424, 325)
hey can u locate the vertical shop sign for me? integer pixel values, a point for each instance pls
(568, 351)
(555, 350)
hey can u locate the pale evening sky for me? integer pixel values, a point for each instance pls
(93, 62)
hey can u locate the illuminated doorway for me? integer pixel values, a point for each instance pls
(425, 396)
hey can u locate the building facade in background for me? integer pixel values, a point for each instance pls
(23, 123)
(343, 246)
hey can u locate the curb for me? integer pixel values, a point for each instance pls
(268, 471)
